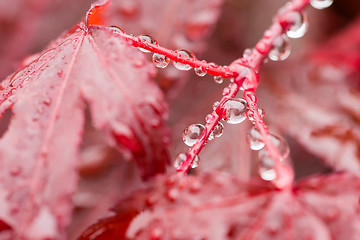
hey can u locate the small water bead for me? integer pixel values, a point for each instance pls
(281, 49)
(182, 66)
(192, 134)
(282, 146)
(299, 25)
(215, 105)
(209, 118)
(218, 79)
(179, 159)
(247, 53)
(253, 138)
(321, 4)
(146, 38)
(196, 162)
(226, 91)
(217, 132)
(266, 169)
(200, 72)
(116, 29)
(235, 110)
(160, 61)
(250, 114)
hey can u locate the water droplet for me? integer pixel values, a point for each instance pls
(281, 144)
(116, 29)
(182, 66)
(218, 79)
(179, 159)
(253, 138)
(247, 53)
(217, 131)
(199, 71)
(321, 4)
(209, 118)
(235, 110)
(160, 61)
(60, 73)
(196, 162)
(266, 168)
(215, 105)
(299, 25)
(281, 49)
(226, 91)
(250, 114)
(214, 65)
(192, 134)
(146, 38)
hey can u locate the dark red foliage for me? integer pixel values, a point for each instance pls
(216, 206)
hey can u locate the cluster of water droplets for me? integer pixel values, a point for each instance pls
(266, 163)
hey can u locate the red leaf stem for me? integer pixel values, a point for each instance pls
(212, 69)
(247, 69)
(245, 73)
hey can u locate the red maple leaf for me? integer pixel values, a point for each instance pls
(40, 149)
(216, 206)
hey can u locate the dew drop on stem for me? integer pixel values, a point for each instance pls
(267, 168)
(182, 66)
(215, 105)
(116, 29)
(250, 114)
(209, 118)
(180, 158)
(321, 4)
(217, 132)
(218, 79)
(160, 61)
(247, 53)
(299, 24)
(253, 138)
(146, 38)
(192, 134)
(196, 162)
(281, 49)
(281, 145)
(200, 71)
(235, 110)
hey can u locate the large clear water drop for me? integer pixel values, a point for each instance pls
(235, 110)
(192, 134)
(281, 49)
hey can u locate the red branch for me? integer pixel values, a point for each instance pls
(245, 73)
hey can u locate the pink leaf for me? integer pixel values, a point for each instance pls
(215, 206)
(39, 152)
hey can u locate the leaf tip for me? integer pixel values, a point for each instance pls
(95, 15)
